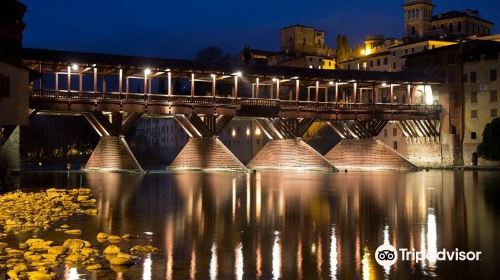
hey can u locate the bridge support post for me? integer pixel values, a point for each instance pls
(112, 153)
(286, 150)
(204, 150)
(360, 150)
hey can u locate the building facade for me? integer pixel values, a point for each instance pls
(468, 94)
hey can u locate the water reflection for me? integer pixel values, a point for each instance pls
(292, 226)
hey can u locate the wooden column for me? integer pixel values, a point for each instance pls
(278, 89)
(192, 84)
(213, 84)
(57, 81)
(235, 86)
(69, 80)
(297, 89)
(95, 82)
(120, 82)
(169, 83)
(80, 85)
(392, 94)
(257, 87)
(317, 91)
(355, 87)
(408, 93)
(336, 92)
(126, 87)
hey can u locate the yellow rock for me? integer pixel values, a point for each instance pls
(73, 231)
(111, 250)
(84, 191)
(102, 236)
(75, 244)
(144, 249)
(89, 252)
(32, 258)
(114, 239)
(40, 246)
(12, 275)
(122, 259)
(38, 275)
(20, 267)
(75, 258)
(3, 245)
(14, 253)
(32, 241)
(127, 236)
(82, 198)
(57, 250)
(94, 267)
(64, 226)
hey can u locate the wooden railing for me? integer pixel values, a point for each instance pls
(114, 97)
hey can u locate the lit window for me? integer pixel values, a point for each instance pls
(257, 131)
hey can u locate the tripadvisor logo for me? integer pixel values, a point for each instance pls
(387, 255)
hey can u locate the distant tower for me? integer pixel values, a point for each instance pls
(11, 29)
(418, 16)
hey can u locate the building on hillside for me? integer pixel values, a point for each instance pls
(419, 21)
(468, 93)
(391, 58)
(300, 46)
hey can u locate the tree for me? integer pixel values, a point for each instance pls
(490, 147)
(212, 54)
(343, 51)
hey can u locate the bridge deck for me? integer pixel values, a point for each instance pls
(77, 101)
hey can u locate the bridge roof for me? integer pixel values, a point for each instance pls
(53, 58)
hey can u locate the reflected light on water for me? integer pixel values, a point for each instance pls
(258, 262)
(387, 268)
(258, 195)
(192, 269)
(234, 199)
(276, 256)
(299, 258)
(146, 272)
(367, 268)
(423, 246)
(238, 264)
(333, 254)
(213, 262)
(432, 237)
(319, 257)
(71, 273)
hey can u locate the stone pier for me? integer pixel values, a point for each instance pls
(286, 150)
(204, 151)
(367, 154)
(112, 153)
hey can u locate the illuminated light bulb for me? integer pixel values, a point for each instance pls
(147, 71)
(74, 67)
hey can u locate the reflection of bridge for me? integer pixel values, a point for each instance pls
(112, 92)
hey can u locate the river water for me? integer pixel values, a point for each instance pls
(291, 225)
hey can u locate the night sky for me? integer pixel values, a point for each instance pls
(177, 29)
